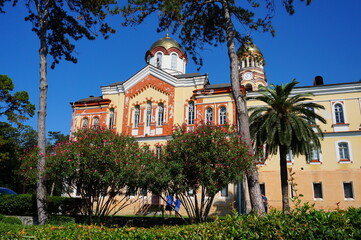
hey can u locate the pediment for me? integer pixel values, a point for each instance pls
(155, 73)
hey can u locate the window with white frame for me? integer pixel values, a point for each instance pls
(209, 115)
(159, 59)
(136, 116)
(111, 118)
(191, 112)
(314, 154)
(224, 191)
(160, 114)
(148, 114)
(343, 151)
(95, 122)
(339, 113)
(317, 190)
(222, 115)
(85, 123)
(348, 190)
(173, 61)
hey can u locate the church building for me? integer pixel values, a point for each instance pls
(163, 94)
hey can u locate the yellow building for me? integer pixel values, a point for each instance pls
(162, 94)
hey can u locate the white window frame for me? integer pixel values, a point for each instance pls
(174, 58)
(352, 190)
(95, 122)
(85, 122)
(222, 115)
(314, 193)
(160, 114)
(136, 116)
(209, 115)
(319, 153)
(191, 109)
(158, 59)
(148, 114)
(339, 127)
(343, 160)
(111, 118)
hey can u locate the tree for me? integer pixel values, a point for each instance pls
(212, 22)
(12, 143)
(103, 167)
(203, 161)
(16, 107)
(56, 23)
(287, 122)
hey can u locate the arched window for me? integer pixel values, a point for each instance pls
(173, 61)
(209, 115)
(339, 114)
(222, 115)
(136, 116)
(85, 123)
(191, 112)
(95, 122)
(111, 118)
(248, 87)
(159, 59)
(149, 113)
(160, 114)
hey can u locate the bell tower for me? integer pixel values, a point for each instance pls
(251, 67)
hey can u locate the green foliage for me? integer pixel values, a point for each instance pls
(204, 160)
(22, 204)
(302, 223)
(25, 205)
(204, 22)
(285, 123)
(16, 107)
(10, 220)
(286, 120)
(101, 165)
(60, 220)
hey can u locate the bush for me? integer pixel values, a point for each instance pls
(22, 204)
(303, 223)
(25, 204)
(60, 220)
(10, 220)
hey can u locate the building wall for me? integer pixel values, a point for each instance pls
(328, 171)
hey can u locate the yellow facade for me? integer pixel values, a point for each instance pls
(156, 98)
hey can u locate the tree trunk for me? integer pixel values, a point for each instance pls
(241, 112)
(284, 179)
(40, 186)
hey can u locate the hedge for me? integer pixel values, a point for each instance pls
(25, 205)
(304, 223)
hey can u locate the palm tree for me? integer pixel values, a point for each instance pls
(286, 123)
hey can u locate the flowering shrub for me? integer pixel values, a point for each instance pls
(204, 160)
(101, 166)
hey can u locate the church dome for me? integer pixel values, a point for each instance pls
(167, 54)
(167, 43)
(248, 48)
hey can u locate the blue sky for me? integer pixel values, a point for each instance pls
(321, 39)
